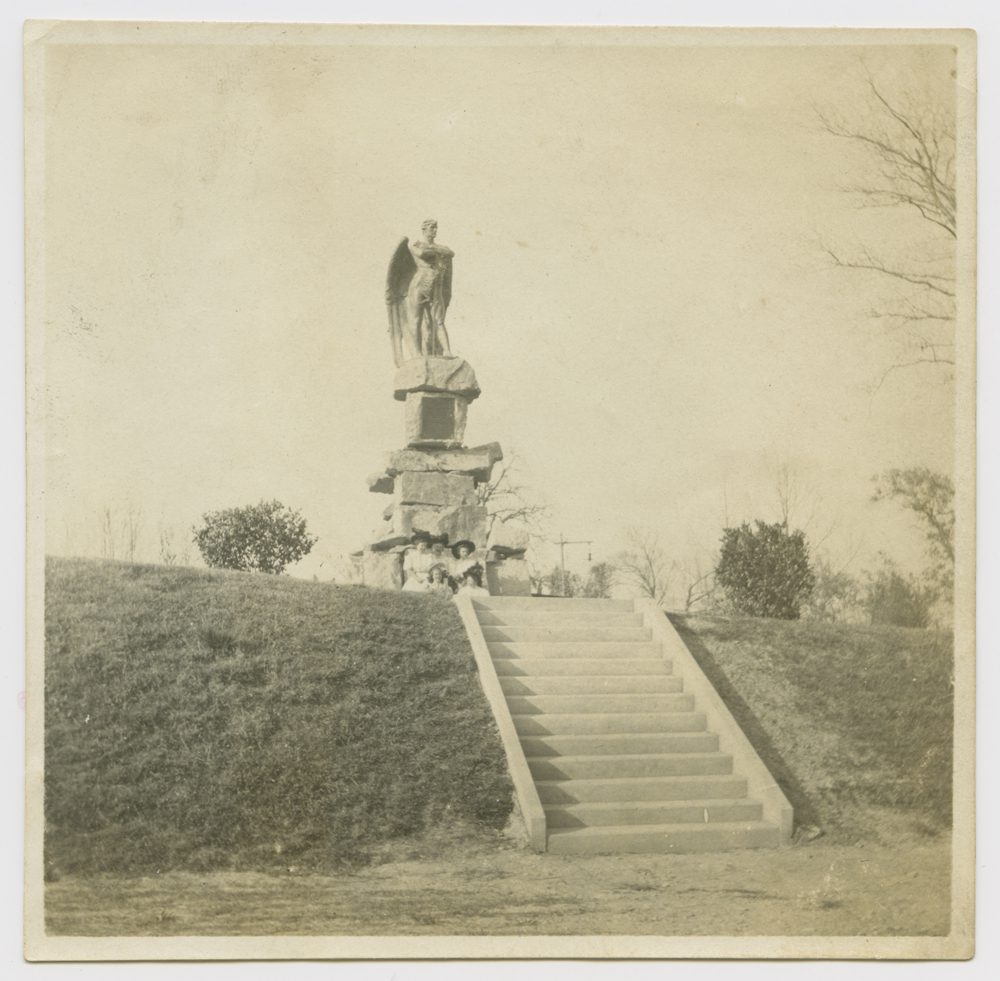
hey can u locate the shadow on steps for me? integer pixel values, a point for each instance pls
(805, 811)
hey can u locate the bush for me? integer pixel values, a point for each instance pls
(263, 537)
(896, 600)
(836, 596)
(765, 571)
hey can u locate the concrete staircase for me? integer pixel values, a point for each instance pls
(622, 757)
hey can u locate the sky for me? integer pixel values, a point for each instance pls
(640, 282)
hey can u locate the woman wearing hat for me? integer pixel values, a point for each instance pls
(472, 582)
(417, 563)
(437, 582)
(465, 557)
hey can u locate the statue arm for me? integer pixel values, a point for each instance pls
(422, 250)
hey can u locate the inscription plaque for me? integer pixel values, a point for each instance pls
(437, 418)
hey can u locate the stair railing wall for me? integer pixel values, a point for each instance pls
(732, 740)
(524, 784)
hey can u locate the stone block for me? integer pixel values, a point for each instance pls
(435, 419)
(508, 538)
(511, 577)
(452, 375)
(458, 523)
(476, 461)
(430, 487)
(382, 570)
(380, 483)
(388, 538)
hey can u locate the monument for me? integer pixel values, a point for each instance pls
(433, 478)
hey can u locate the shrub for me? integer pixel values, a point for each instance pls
(897, 600)
(765, 571)
(262, 537)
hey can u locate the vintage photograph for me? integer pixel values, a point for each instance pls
(499, 491)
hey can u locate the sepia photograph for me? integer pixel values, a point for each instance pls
(499, 491)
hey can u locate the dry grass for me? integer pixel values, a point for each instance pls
(820, 889)
(235, 754)
(209, 720)
(855, 723)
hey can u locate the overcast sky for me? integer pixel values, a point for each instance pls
(639, 282)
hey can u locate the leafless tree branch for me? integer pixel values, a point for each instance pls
(912, 149)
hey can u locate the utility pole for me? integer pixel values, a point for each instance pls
(562, 542)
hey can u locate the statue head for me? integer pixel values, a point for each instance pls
(429, 228)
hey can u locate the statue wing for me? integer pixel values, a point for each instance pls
(401, 270)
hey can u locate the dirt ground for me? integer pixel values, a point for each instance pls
(819, 889)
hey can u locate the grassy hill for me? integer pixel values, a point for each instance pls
(854, 722)
(202, 719)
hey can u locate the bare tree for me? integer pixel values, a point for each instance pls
(644, 564)
(109, 534)
(911, 146)
(132, 530)
(800, 503)
(600, 580)
(506, 498)
(931, 497)
(168, 550)
(701, 589)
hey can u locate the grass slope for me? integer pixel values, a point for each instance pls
(855, 723)
(202, 719)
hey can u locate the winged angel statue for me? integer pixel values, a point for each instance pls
(417, 294)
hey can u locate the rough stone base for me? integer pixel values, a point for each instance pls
(436, 374)
(476, 462)
(458, 523)
(508, 538)
(382, 570)
(508, 577)
(439, 489)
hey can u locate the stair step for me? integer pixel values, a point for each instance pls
(652, 812)
(616, 684)
(598, 704)
(643, 765)
(539, 667)
(576, 649)
(676, 838)
(550, 603)
(584, 618)
(565, 634)
(592, 723)
(641, 788)
(620, 744)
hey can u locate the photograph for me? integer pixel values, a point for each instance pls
(499, 492)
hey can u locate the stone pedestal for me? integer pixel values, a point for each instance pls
(508, 577)
(437, 393)
(436, 375)
(433, 480)
(381, 570)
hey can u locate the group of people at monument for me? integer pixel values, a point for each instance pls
(431, 566)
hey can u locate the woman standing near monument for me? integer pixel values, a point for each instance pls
(417, 563)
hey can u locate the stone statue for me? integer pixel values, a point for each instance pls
(417, 294)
